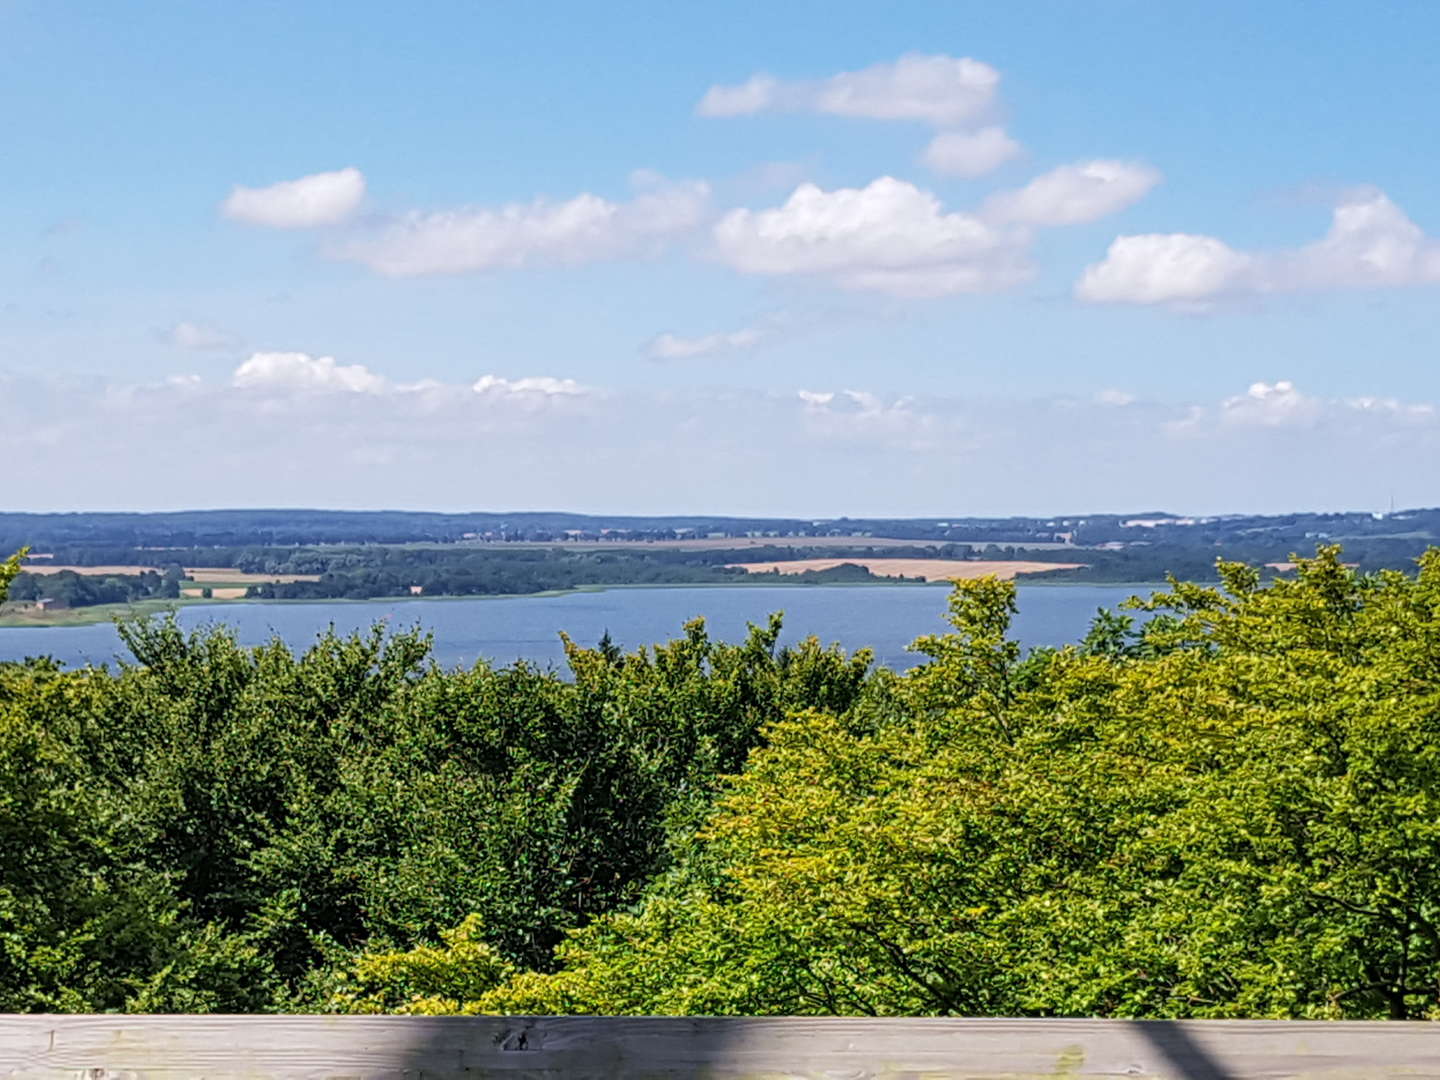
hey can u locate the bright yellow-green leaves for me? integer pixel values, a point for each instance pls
(1234, 811)
(10, 570)
(215, 827)
(427, 979)
(1231, 808)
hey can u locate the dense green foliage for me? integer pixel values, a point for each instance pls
(489, 570)
(9, 571)
(208, 827)
(87, 590)
(1231, 808)
(1234, 811)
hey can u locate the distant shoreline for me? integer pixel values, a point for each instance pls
(103, 613)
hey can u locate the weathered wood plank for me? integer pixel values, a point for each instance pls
(646, 1048)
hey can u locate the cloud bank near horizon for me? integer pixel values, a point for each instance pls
(281, 421)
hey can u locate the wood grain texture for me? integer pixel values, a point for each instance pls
(646, 1048)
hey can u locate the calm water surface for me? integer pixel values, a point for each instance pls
(884, 617)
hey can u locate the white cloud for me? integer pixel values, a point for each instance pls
(542, 385)
(297, 371)
(756, 94)
(189, 335)
(1074, 194)
(864, 417)
(326, 198)
(1277, 404)
(1393, 409)
(584, 229)
(887, 237)
(1281, 409)
(775, 324)
(941, 90)
(299, 375)
(1114, 398)
(1156, 269)
(1371, 243)
(675, 347)
(970, 154)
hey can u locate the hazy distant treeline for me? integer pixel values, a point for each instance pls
(355, 571)
(289, 528)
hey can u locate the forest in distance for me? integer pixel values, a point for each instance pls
(108, 559)
(1229, 809)
(298, 527)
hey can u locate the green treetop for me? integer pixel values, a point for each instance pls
(1231, 811)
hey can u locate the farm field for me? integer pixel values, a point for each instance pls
(929, 569)
(219, 575)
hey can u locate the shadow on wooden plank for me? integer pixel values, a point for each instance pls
(1188, 1060)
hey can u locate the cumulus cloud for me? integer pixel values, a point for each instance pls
(1371, 243)
(1074, 194)
(298, 371)
(587, 228)
(940, 90)
(1157, 269)
(197, 336)
(326, 198)
(887, 237)
(969, 154)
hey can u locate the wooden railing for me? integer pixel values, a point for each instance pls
(601, 1048)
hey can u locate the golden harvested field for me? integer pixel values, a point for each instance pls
(218, 593)
(202, 575)
(929, 569)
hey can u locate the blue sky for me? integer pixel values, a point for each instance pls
(772, 258)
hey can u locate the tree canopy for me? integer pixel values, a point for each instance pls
(1225, 803)
(212, 826)
(1232, 810)
(9, 571)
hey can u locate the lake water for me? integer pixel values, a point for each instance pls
(502, 629)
